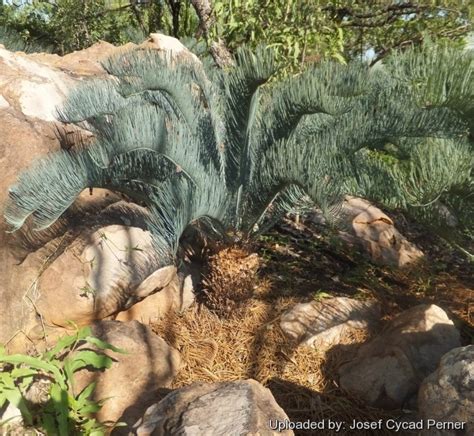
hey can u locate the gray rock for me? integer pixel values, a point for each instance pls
(447, 395)
(131, 384)
(10, 418)
(236, 408)
(377, 234)
(324, 322)
(389, 369)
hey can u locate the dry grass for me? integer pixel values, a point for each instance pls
(250, 344)
(247, 341)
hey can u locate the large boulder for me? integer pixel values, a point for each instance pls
(447, 395)
(177, 295)
(366, 227)
(81, 63)
(22, 139)
(170, 45)
(134, 380)
(32, 86)
(322, 323)
(389, 369)
(241, 407)
(99, 280)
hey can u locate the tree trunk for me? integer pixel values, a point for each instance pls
(219, 51)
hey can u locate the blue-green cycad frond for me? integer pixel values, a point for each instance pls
(180, 203)
(322, 89)
(179, 88)
(292, 175)
(367, 175)
(453, 84)
(233, 154)
(286, 199)
(434, 167)
(240, 86)
(92, 99)
(437, 182)
(430, 178)
(49, 188)
(45, 191)
(459, 202)
(159, 79)
(126, 130)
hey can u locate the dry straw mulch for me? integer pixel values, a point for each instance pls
(250, 344)
(295, 266)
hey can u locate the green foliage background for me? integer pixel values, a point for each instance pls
(63, 26)
(300, 30)
(308, 30)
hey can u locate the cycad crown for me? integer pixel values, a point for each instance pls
(233, 152)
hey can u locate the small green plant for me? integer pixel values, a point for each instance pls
(88, 290)
(321, 295)
(62, 413)
(424, 285)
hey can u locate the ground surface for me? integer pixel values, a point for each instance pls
(300, 263)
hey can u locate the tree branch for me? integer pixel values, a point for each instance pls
(451, 33)
(393, 11)
(220, 53)
(400, 44)
(203, 10)
(136, 12)
(175, 7)
(399, 9)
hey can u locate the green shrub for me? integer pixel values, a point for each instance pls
(62, 413)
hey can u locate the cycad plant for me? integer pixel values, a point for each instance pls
(230, 151)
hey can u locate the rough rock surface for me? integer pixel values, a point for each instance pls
(241, 407)
(378, 236)
(11, 419)
(178, 295)
(132, 382)
(31, 88)
(104, 277)
(447, 395)
(170, 45)
(320, 323)
(368, 228)
(389, 369)
(82, 63)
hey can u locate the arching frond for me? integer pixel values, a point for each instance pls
(239, 87)
(229, 150)
(438, 76)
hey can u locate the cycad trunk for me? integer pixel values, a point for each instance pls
(230, 278)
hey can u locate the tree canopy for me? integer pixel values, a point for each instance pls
(299, 30)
